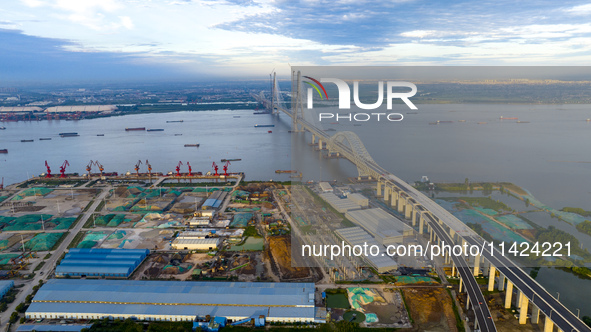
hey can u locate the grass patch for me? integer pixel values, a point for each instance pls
(251, 231)
(406, 307)
(59, 241)
(39, 266)
(88, 205)
(337, 298)
(459, 322)
(76, 240)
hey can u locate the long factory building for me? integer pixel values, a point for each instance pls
(172, 300)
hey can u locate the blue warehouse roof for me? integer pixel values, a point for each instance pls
(101, 262)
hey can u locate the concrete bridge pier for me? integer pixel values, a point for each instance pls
(501, 282)
(313, 138)
(491, 278)
(523, 306)
(535, 314)
(401, 202)
(394, 197)
(548, 325)
(476, 271)
(453, 269)
(320, 144)
(421, 223)
(379, 188)
(461, 285)
(386, 193)
(408, 209)
(414, 218)
(509, 294)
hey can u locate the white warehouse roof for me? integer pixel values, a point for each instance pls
(171, 300)
(357, 236)
(82, 108)
(386, 228)
(340, 204)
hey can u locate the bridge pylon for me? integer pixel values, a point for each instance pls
(297, 107)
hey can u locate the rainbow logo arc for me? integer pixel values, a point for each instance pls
(316, 88)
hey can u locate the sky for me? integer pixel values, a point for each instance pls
(48, 40)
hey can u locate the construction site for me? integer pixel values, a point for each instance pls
(207, 227)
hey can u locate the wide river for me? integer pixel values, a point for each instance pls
(549, 153)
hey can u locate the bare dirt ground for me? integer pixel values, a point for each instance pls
(431, 309)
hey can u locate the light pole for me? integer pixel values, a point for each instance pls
(42, 223)
(558, 296)
(578, 312)
(58, 205)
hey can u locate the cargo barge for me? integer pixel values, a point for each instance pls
(192, 145)
(135, 129)
(259, 126)
(171, 121)
(27, 140)
(45, 139)
(285, 171)
(68, 134)
(2, 128)
(3, 150)
(502, 118)
(155, 130)
(237, 159)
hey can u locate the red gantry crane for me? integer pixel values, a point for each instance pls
(226, 168)
(137, 168)
(2, 184)
(48, 175)
(149, 168)
(178, 168)
(63, 169)
(189, 165)
(89, 168)
(100, 167)
(215, 167)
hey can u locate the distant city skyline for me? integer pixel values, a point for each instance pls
(126, 40)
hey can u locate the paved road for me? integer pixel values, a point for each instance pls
(559, 314)
(50, 263)
(481, 310)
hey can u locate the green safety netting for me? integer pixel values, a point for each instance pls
(43, 241)
(371, 318)
(180, 268)
(146, 207)
(62, 223)
(32, 192)
(3, 244)
(91, 239)
(241, 219)
(256, 208)
(30, 222)
(117, 235)
(359, 296)
(210, 189)
(412, 280)
(5, 258)
(110, 220)
(2, 198)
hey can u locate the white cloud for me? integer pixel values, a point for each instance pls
(579, 10)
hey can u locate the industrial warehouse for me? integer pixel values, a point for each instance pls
(172, 300)
(101, 262)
